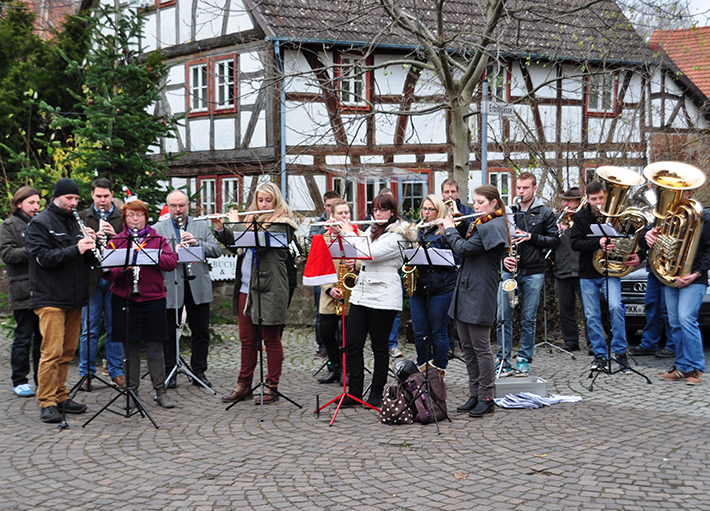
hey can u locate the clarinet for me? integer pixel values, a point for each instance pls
(181, 227)
(136, 269)
(82, 226)
(100, 236)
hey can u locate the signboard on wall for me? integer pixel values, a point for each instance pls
(223, 267)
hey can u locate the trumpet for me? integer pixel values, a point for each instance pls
(215, 216)
(181, 227)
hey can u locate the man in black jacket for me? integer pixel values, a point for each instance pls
(25, 205)
(594, 284)
(99, 294)
(536, 233)
(59, 279)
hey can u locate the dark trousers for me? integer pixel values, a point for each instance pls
(330, 333)
(568, 291)
(28, 339)
(249, 337)
(378, 322)
(198, 316)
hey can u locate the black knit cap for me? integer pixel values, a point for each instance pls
(66, 186)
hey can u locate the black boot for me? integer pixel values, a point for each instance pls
(468, 405)
(333, 375)
(484, 407)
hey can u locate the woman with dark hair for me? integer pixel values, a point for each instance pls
(473, 305)
(375, 299)
(147, 321)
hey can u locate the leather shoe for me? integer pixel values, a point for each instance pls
(483, 407)
(50, 415)
(86, 384)
(333, 377)
(203, 379)
(349, 402)
(571, 346)
(468, 405)
(70, 406)
(172, 384)
(640, 351)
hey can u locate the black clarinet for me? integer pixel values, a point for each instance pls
(181, 227)
(136, 269)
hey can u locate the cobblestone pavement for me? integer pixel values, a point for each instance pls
(627, 445)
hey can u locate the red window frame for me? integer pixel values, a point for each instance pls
(212, 107)
(369, 88)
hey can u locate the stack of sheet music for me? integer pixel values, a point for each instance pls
(530, 401)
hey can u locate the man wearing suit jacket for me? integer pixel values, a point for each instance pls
(196, 294)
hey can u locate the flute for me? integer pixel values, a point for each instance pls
(214, 216)
(456, 219)
(358, 222)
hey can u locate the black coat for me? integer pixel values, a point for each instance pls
(91, 218)
(540, 222)
(59, 273)
(17, 260)
(436, 280)
(586, 246)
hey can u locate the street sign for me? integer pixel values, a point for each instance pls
(501, 109)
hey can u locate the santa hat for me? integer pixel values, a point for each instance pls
(164, 213)
(129, 196)
(319, 266)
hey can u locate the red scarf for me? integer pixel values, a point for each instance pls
(482, 220)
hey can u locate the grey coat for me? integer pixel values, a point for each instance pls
(474, 299)
(17, 260)
(201, 286)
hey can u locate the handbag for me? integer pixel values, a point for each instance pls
(396, 405)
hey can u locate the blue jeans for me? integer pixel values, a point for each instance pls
(656, 316)
(99, 304)
(529, 287)
(432, 323)
(592, 292)
(394, 333)
(683, 307)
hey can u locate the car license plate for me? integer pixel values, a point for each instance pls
(634, 309)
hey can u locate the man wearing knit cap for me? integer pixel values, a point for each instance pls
(60, 259)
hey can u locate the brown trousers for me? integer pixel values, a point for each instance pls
(60, 330)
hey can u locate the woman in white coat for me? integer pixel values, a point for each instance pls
(375, 300)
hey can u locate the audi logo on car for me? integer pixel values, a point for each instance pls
(640, 287)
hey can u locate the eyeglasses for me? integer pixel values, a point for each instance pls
(135, 215)
(428, 210)
(379, 210)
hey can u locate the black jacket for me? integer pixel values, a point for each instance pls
(16, 259)
(59, 273)
(91, 218)
(566, 260)
(539, 221)
(586, 246)
(436, 280)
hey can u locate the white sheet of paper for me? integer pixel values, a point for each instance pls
(248, 239)
(190, 254)
(603, 230)
(438, 256)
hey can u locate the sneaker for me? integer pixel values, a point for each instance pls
(623, 362)
(505, 372)
(640, 351)
(50, 415)
(104, 367)
(665, 353)
(522, 368)
(119, 381)
(70, 406)
(86, 385)
(599, 364)
(694, 377)
(673, 374)
(24, 390)
(396, 353)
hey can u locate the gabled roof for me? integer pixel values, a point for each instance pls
(689, 50)
(551, 29)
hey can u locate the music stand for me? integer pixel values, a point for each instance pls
(254, 235)
(425, 255)
(346, 247)
(132, 255)
(608, 231)
(186, 255)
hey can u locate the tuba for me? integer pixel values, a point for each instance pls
(680, 220)
(346, 283)
(627, 221)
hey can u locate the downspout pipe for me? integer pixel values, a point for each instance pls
(282, 118)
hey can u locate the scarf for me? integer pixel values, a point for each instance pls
(483, 219)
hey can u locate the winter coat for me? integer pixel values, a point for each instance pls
(59, 273)
(17, 260)
(378, 286)
(151, 284)
(268, 288)
(434, 280)
(566, 260)
(201, 285)
(91, 218)
(540, 222)
(585, 245)
(474, 299)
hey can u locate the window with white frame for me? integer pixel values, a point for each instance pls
(601, 93)
(413, 193)
(198, 87)
(501, 180)
(224, 83)
(498, 83)
(346, 191)
(208, 196)
(230, 193)
(354, 81)
(372, 189)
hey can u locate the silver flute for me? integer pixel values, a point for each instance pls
(82, 226)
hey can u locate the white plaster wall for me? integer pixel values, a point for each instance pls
(386, 125)
(150, 35)
(249, 91)
(250, 62)
(356, 129)
(598, 129)
(627, 127)
(168, 37)
(635, 90)
(239, 20)
(390, 79)
(307, 124)
(571, 130)
(209, 19)
(299, 198)
(171, 144)
(517, 83)
(439, 177)
(548, 114)
(427, 85)
(540, 74)
(185, 24)
(301, 78)
(572, 85)
(427, 129)
(224, 130)
(199, 134)
(258, 139)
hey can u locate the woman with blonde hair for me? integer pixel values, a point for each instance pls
(473, 305)
(261, 290)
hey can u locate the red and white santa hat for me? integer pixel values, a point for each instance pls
(129, 197)
(164, 213)
(319, 269)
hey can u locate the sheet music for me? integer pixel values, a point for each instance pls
(438, 256)
(190, 254)
(604, 230)
(249, 239)
(113, 258)
(354, 247)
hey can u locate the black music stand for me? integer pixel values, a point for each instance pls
(126, 255)
(425, 255)
(185, 255)
(608, 231)
(254, 235)
(350, 247)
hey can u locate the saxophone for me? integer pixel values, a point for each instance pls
(409, 278)
(346, 283)
(510, 286)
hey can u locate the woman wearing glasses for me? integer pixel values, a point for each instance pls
(147, 320)
(432, 297)
(375, 300)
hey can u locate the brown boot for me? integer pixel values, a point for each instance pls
(240, 392)
(270, 395)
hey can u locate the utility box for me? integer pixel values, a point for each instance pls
(512, 385)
